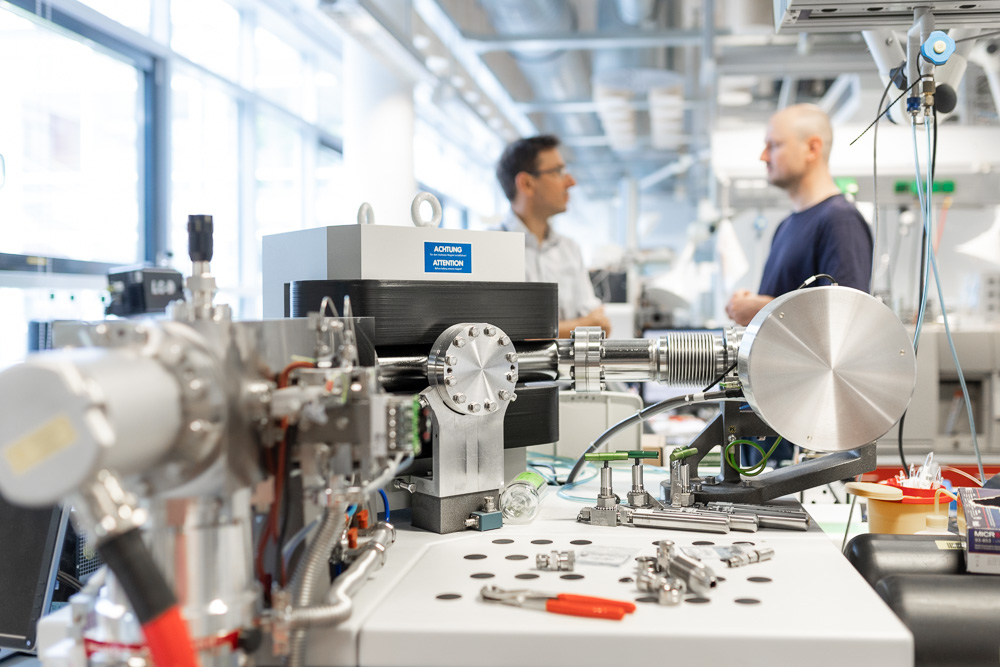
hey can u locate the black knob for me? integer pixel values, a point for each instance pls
(200, 238)
(945, 98)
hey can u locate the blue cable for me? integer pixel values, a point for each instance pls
(928, 211)
(385, 501)
(927, 241)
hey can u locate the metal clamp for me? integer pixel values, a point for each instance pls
(588, 376)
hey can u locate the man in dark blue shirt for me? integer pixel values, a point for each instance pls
(825, 233)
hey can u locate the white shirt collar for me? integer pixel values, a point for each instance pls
(513, 223)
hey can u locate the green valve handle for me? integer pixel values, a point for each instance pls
(636, 454)
(607, 456)
(678, 454)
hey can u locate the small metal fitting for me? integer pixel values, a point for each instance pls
(556, 561)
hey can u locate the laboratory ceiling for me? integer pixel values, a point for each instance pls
(636, 87)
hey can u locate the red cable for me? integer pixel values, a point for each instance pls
(271, 524)
(169, 641)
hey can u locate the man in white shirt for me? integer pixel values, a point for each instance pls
(533, 175)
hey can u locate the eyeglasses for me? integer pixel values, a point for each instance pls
(561, 171)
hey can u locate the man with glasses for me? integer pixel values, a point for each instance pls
(534, 177)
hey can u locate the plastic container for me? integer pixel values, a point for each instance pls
(907, 515)
(935, 524)
(520, 500)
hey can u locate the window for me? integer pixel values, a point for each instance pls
(329, 187)
(205, 170)
(21, 306)
(279, 74)
(71, 118)
(130, 13)
(278, 176)
(207, 32)
(329, 78)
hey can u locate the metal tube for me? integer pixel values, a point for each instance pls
(679, 521)
(606, 481)
(398, 372)
(637, 478)
(536, 362)
(310, 570)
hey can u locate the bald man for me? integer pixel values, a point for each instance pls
(824, 233)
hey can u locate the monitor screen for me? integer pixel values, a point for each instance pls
(31, 543)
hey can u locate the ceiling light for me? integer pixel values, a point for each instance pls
(438, 65)
(471, 96)
(734, 98)
(421, 42)
(457, 80)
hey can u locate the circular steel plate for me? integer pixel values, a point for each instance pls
(828, 368)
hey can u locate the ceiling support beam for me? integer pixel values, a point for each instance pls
(589, 41)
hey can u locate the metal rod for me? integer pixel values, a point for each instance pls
(679, 521)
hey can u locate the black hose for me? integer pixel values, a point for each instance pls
(645, 413)
(133, 566)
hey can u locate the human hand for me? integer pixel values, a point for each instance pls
(744, 304)
(597, 318)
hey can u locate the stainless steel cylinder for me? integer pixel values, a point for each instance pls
(203, 546)
(606, 481)
(680, 358)
(678, 521)
(829, 368)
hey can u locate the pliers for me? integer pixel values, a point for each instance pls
(560, 603)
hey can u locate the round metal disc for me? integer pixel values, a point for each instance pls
(474, 368)
(828, 368)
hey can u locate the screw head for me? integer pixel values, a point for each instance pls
(474, 407)
(450, 380)
(504, 340)
(504, 394)
(513, 397)
(458, 398)
(473, 331)
(511, 357)
(490, 331)
(490, 406)
(511, 377)
(459, 342)
(451, 359)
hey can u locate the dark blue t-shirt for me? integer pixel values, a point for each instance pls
(830, 237)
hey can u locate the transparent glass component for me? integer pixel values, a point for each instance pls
(205, 171)
(130, 13)
(329, 78)
(521, 499)
(207, 32)
(280, 71)
(329, 187)
(70, 134)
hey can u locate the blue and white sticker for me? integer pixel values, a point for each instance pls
(447, 257)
